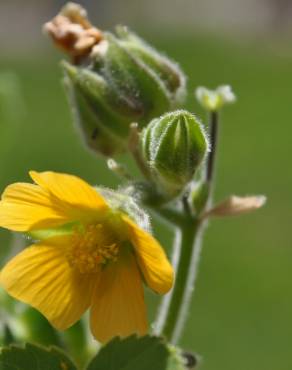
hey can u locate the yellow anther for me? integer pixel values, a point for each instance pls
(91, 247)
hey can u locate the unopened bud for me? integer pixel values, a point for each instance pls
(118, 169)
(174, 146)
(119, 80)
(167, 70)
(213, 100)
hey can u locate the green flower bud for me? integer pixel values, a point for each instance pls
(213, 100)
(174, 146)
(167, 70)
(126, 81)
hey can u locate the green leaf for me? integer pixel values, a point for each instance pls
(135, 353)
(31, 357)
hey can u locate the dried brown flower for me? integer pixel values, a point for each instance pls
(72, 31)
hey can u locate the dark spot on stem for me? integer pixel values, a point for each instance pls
(190, 360)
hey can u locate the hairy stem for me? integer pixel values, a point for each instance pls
(165, 303)
(191, 270)
(177, 300)
(213, 127)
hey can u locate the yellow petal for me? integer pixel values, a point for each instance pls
(118, 307)
(152, 259)
(70, 189)
(24, 207)
(41, 277)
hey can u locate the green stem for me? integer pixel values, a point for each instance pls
(173, 321)
(76, 343)
(171, 215)
(190, 271)
(213, 127)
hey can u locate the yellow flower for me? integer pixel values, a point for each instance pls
(97, 261)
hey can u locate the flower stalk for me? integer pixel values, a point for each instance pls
(213, 127)
(171, 326)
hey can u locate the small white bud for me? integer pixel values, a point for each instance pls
(226, 94)
(213, 100)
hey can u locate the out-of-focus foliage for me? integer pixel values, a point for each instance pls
(12, 109)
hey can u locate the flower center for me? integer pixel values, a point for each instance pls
(91, 247)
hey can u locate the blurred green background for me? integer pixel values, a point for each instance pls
(241, 312)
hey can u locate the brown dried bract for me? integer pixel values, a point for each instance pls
(235, 205)
(72, 32)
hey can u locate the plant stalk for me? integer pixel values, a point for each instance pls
(213, 127)
(184, 247)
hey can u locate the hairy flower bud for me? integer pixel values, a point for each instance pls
(114, 80)
(174, 146)
(167, 70)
